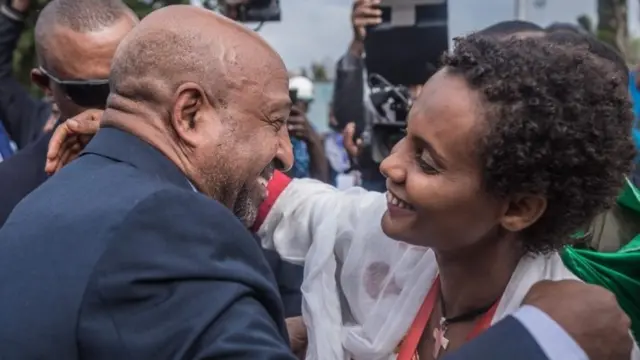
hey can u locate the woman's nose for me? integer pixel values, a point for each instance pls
(394, 166)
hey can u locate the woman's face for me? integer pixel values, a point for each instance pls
(436, 171)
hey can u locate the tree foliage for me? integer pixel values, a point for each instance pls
(24, 56)
(613, 25)
(319, 72)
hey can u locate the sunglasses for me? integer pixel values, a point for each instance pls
(84, 93)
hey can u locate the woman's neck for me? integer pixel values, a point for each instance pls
(478, 275)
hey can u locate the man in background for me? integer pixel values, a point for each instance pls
(308, 151)
(75, 42)
(337, 156)
(350, 103)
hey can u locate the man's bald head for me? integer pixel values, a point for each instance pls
(179, 44)
(209, 94)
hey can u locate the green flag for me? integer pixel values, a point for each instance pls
(619, 272)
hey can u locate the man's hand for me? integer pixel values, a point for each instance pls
(299, 126)
(20, 5)
(590, 314)
(297, 336)
(70, 138)
(364, 14)
(353, 147)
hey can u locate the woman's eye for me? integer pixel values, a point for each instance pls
(424, 164)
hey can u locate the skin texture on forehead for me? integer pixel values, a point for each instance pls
(220, 55)
(452, 117)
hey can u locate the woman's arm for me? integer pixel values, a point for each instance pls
(298, 211)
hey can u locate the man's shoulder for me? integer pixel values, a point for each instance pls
(172, 231)
(180, 211)
(507, 340)
(27, 161)
(21, 174)
(174, 201)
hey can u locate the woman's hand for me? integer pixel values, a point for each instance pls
(70, 138)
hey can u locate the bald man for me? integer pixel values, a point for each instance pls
(133, 251)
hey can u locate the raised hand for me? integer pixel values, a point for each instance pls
(70, 138)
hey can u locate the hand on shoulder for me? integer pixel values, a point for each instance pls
(589, 314)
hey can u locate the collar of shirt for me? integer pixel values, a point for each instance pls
(192, 186)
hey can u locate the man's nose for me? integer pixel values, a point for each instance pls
(284, 154)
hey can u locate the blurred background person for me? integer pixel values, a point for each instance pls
(23, 117)
(308, 150)
(341, 171)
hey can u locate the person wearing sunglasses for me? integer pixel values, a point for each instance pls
(87, 94)
(75, 43)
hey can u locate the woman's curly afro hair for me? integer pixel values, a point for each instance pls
(559, 126)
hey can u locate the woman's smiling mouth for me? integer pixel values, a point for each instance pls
(397, 206)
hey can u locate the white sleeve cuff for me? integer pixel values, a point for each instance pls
(556, 343)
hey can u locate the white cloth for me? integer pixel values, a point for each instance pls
(359, 290)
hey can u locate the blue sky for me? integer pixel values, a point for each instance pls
(313, 30)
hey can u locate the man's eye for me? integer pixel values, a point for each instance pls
(278, 124)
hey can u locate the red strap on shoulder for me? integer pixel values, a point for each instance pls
(275, 187)
(409, 345)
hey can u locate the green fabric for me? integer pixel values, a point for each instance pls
(630, 197)
(618, 272)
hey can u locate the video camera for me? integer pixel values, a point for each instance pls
(392, 103)
(404, 50)
(249, 10)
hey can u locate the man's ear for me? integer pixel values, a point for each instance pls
(191, 111)
(42, 81)
(522, 211)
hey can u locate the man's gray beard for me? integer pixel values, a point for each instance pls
(244, 208)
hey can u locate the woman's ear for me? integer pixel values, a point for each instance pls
(522, 211)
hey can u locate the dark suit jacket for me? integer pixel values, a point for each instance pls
(117, 257)
(21, 174)
(22, 115)
(507, 340)
(289, 278)
(24, 171)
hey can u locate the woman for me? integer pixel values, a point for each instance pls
(510, 148)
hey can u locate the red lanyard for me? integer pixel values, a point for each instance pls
(410, 343)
